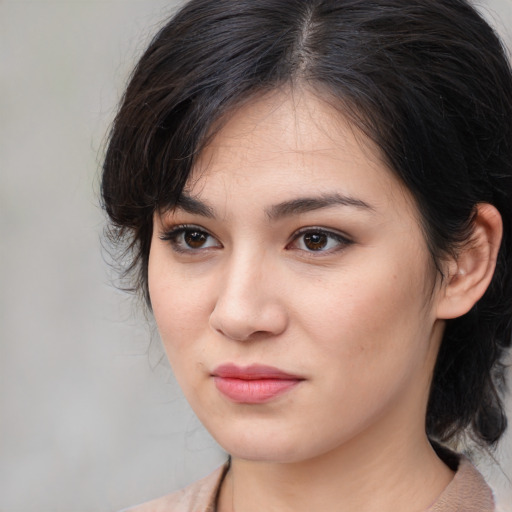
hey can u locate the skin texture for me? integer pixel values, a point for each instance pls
(359, 319)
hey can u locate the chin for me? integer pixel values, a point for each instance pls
(269, 452)
(257, 444)
(264, 445)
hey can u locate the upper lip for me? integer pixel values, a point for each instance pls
(252, 372)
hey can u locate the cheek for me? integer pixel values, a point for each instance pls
(372, 320)
(178, 314)
(372, 343)
(180, 304)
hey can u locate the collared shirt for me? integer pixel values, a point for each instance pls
(467, 492)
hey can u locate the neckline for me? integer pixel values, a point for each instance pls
(467, 490)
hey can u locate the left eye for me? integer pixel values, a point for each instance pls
(316, 240)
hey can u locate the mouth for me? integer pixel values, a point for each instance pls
(255, 384)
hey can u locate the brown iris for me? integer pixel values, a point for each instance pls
(195, 239)
(315, 241)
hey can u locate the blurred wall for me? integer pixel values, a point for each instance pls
(90, 418)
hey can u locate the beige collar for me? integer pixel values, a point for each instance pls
(467, 492)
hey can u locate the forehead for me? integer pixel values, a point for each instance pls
(289, 142)
(304, 123)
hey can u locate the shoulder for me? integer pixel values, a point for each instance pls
(197, 497)
(468, 491)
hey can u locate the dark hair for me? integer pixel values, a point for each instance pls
(427, 80)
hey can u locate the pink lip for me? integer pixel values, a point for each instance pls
(253, 384)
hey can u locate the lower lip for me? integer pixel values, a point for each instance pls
(256, 391)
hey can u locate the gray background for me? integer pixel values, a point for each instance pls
(90, 418)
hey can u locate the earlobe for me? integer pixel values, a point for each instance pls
(471, 272)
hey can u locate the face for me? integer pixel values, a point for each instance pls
(293, 289)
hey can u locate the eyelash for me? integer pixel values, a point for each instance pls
(342, 241)
(173, 234)
(173, 237)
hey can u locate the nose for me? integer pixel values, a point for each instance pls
(249, 304)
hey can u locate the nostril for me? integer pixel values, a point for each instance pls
(244, 324)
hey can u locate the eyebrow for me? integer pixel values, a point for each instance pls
(285, 209)
(308, 204)
(194, 206)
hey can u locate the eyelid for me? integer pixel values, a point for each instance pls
(166, 233)
(343, 239)
(170, 234)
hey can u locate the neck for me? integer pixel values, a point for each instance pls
(372, 472)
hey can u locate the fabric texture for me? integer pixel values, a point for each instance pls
(467, 492)
(201, 496)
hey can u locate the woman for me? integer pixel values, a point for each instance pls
(317, 201)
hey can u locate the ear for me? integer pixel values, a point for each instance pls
(471, 272)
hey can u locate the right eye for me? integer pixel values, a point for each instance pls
(190, 239)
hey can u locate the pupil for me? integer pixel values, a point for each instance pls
(315, 241)
(195, 239)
